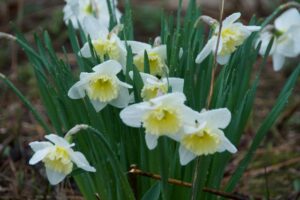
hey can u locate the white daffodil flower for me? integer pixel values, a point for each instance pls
(76, 10)
(205, 135)
(233, 34)
(58, 158)
(161, 116)
(286, 42)
(154, 87)
(157, 56)
(102, 86)
(104, 42)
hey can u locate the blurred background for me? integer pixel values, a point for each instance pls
(275, 171)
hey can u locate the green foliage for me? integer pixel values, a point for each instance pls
(112, 147)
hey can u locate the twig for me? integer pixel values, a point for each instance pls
(134, 170)
(7, 36)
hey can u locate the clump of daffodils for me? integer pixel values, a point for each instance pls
(154, 87)
(58, 157)
(102, 86)
(286, 44)
(233, 34)
(76, 10)
(105, 43)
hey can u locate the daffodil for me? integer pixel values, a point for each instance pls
(157, 56)
(102, 86)
(233, 34)
(76, 10)
(286, 44)
(154, 87)
(58, 158)
(165, 115)
(104, 42)
(205, 136)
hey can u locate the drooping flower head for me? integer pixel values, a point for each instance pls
(205, 136)
(58, 158)
(286, 31)
(154, 87)
(102, 86)
(104, 42)
(165, 115)
(157, 56)
(233, 34)
(76, 10)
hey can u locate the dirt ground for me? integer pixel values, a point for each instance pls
(274, 173)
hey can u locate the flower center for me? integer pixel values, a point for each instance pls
(103, 88)
(88, 9)
(59, 161)
(152, 91)
(156, 64)
(231, 39)
(107, 47)
(162, 121)
(202, 142)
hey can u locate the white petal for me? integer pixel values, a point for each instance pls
(79, 159)
(176, 84)
(207, 49)
(231, 19)
(92, 26)
(171, 99)
(132, 115)
(39, 155)
(85, 51)
(294, 33)
(223, 60)
(253, 28)
(287, 19)
(265, 39)
(37, 146)
(286, 46)
(77, 91)
(138, 47)
(146, 77)
(185, 155)
(58, 140)
(219, 118)
(98, 105)
(110, 67)
(161, 51)
(151, 140)
(226, 144)
(278, 61)
(123, 98)
(123, 84)
(54, 177)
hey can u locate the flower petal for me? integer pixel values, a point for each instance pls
(98, 105)
(37, 146)
(253, 28)
(185, 155)
(176, 84)
(226, 144)
(94, 28)
(79, 159)
(151, 140)
(110, 67)
(219, 118)
(161, 51)
(207, 49)
(132, 115)
(39, 155)
(223, 60)
(287, 19)
(138, 47)
(77, 90)
(58, 140)
(54, 177)
(85, 51)
(123, 98)
(231, 19)
(278, 61)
